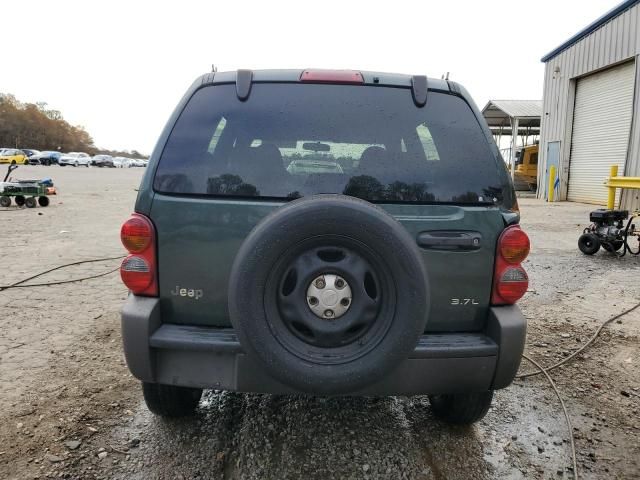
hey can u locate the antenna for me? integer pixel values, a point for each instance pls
(214, 69)
(447, 76)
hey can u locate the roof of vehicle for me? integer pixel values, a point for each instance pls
(291, 75)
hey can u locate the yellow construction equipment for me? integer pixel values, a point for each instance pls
(526, 172)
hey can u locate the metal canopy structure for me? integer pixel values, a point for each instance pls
(507, 116)
(500, 114)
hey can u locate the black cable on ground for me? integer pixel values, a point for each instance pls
(61, 282)
(564, 409)
(583, 347)
(626, 246)
(95, 260)
(546, 371)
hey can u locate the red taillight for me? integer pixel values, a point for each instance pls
(331, 76)
(136, 233)
(514, 245)
(510, 280)
(139, 270)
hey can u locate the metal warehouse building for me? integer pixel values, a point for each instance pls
(591, 110)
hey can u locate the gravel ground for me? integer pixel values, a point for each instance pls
(70, 409)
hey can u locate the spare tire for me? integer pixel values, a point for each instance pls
(329, 293)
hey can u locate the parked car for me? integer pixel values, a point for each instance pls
(138, 162)
(13, 156)
(398, 276)
(75, 158)
(102, 161)
(121, 162)
(48, 157)
(30, 152)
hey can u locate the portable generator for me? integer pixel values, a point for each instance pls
(608, 230)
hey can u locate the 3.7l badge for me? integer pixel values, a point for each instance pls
(464, 301)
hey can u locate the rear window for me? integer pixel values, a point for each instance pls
(292, 140)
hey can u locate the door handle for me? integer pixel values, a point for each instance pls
(450, 240)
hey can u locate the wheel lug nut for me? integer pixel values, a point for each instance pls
(328, 313)
(320, 283)
(344, 302)
(313, 301)
(339, 283)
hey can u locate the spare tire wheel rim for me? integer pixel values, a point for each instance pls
(318, 318)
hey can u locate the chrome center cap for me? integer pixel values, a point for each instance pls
(329, 296)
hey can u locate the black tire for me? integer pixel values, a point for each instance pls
(461, 408)
(588, 243)
(613, 246)
(13, 162)
(19, 199)
(5, 201)
(43, 201)
(171, 401)
(324, 235)
(30, 202)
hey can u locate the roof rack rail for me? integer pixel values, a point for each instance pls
(243, 84)
(419, 89)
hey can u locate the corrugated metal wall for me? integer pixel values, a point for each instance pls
(615, 42)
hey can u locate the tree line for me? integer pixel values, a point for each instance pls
(35, 125)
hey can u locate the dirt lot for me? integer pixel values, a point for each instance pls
(70, 409)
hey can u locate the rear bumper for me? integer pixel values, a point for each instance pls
(205, 357)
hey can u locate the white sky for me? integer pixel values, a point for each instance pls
(119, 67)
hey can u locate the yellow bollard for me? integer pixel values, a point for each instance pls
(611, 199)
(552, 182)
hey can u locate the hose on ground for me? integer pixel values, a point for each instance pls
(564, 409)
(20, 283)
(583, 347)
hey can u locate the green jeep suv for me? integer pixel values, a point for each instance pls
(393, 272)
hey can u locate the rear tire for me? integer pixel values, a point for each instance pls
(30, 202)
(43, 201)
(5, 201)
(169, 400)
(588, 243)
(461, 408)
(19, 199)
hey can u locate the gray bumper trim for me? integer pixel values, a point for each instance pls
(207, 357)
(224, 340)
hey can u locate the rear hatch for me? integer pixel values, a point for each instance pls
(228, 163)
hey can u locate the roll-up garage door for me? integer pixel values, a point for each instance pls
(601, 125)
